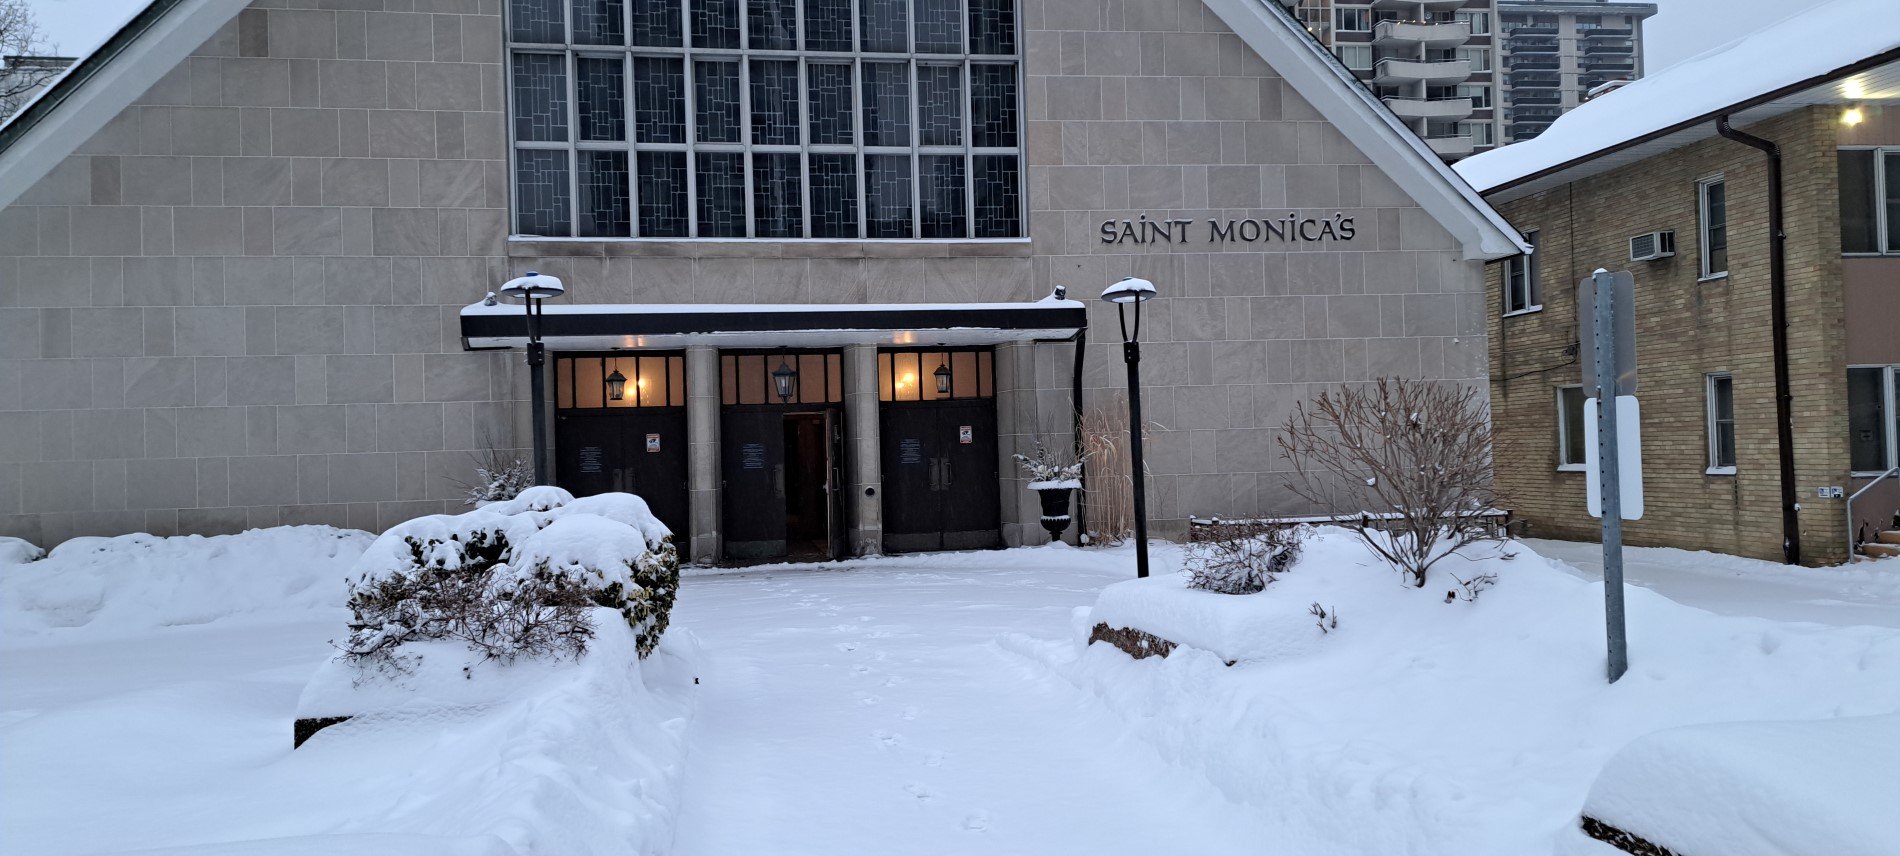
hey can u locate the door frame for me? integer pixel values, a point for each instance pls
(832, 408)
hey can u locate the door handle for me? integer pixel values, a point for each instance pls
(936, 475)
(946, 473)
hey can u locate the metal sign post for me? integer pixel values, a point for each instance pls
(1610, 340)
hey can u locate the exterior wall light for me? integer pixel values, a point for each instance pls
(785, 380)
(617, 386)
(1852, 116)
(942, 374)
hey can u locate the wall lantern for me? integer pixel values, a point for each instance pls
(785, 379)
(617, 386)
(942, 374)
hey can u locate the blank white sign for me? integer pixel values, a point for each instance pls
(1629, 456)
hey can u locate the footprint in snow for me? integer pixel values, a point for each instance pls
(922, 793)
(978, 821)
(936, 759)
(867, 700)
(847, 647)
(887, 738)
(910, 712)
(861, 669)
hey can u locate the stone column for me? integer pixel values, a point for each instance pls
(865, 477)
(702, 453)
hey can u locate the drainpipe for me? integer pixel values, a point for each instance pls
(1778, 298)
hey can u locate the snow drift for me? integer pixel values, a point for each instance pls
(135, 583)
(1420, 726)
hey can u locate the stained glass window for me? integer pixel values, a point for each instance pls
(600, 87)
(827, 25)
(769, 119)
(598, 22)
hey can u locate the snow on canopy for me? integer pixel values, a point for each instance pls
(1807, 44)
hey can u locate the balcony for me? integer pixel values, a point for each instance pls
(1393, 72)
(1609, 49)
(1539, 46)
(1531, 30)
(1412, 5)
(1393, 34)
(1450, 109)
(1608, 63)
(1450, 147)
(1608, 33)
(1533, 63)
(1535, 98)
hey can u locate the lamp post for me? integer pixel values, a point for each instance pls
(531, 290)
(1133, 291)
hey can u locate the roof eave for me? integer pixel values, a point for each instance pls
(102, 85)
(1856, 67)
(1271, 32)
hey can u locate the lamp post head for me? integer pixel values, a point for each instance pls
(1130, 289)
(533, 286)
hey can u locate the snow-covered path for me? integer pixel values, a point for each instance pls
(869, 707)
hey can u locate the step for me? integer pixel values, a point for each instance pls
(1891, 536)
(1878, 550)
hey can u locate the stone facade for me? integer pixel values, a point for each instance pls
(236, 305)
(1688, 327)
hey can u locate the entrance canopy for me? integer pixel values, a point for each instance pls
(608, 326)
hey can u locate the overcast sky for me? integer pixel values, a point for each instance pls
(1681, 28)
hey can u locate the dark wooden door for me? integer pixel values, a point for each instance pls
(752, 465)
(972, 505)
(940, 492)
(641, 452)
(835, 484)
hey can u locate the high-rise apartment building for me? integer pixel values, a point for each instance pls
(1555, 52)
(1433, 62)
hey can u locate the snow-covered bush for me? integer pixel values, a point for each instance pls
(499, 475)
(14, 551)
(1411, 458)
(1239, 556)
(515, 578)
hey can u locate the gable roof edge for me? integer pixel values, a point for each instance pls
(1322, 80)
(102, 85)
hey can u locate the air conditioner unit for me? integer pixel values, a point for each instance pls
(1651, 246)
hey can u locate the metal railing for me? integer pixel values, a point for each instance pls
(1853, 537)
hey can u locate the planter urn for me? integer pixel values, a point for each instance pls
(1055, 507)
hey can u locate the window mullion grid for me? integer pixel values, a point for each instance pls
(802, 123)
(863, 191)
(916, 137)
(689, 69)
(745, 110)
(629, 128)
(573, 63)
(967, 97)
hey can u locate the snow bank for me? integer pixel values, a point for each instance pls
(568, 757)
(14, 551)
(1759, 788)
(134, 583)
(1424, 727)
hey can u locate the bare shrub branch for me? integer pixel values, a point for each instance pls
(20, 36)
(1240, 556)
(1412, 457)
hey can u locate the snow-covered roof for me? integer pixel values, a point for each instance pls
(1838, 52)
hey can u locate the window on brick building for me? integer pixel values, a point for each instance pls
(1712, 205)
(779, 119)
(1873, 418)
(1520, 280)
(1721, 395)
(1870, 201)
(1570, 450)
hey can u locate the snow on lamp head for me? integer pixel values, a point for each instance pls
(533, 286)
(1130, 289)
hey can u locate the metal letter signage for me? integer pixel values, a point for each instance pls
(1289, 228)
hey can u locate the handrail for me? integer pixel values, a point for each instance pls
(1851, 543)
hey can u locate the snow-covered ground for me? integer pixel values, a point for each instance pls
(1866, 592)
(883, 707)
(922, 704)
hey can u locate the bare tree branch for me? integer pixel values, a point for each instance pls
(1412, 458)
(20, 36)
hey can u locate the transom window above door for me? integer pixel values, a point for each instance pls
(770, 119)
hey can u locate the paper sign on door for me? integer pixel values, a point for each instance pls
(964, 435)
(653, 442)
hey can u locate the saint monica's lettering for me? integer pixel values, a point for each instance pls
(1291, 227)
